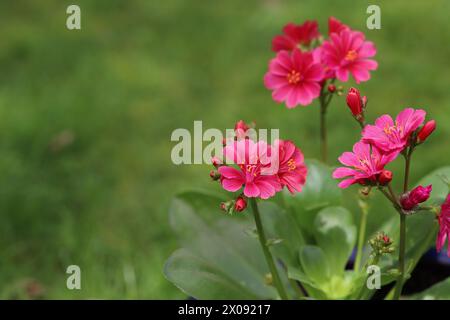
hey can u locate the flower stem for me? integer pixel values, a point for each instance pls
(407, 165)
(267, 254)
(323, 127)
(402, 248)
(401, 257)
(362, 235)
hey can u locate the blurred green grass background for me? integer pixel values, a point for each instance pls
(86, 118)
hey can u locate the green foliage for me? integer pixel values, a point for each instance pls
(136, 71)
(440, 291)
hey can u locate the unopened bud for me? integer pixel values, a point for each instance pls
(216, 162)
(214, 175)
(354, 101)
(331, 88)
(411, 199)
(426, 130)
(385, 177)
(240, 204)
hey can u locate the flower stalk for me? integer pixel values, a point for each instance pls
(269, 258)
(362, 233)
(402, 247)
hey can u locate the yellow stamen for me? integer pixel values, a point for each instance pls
(293, 77)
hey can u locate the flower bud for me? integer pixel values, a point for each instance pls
(331, 88)
(385, 177)
(354, 101)
(227, 206)
(214, 175)
(241, 125)
(418, 195)
(426, 130)
(216, 162)
(240, 204)
(381, 244)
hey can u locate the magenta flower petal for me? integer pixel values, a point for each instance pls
(294, 78)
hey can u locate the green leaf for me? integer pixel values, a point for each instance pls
(335, 234)
(219, 241)
(279, 224)
(320, 191)
(440, 188)
(297, 274)
(201, 280)
(273, 241)
(315, 264)
(440, 291)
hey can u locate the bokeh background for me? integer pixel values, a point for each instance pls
(86, 117)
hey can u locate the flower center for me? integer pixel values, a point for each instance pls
(351, 55)
(291, 165)
(251, 169)
(389, 130)
(293, 77)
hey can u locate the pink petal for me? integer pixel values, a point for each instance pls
(231, 173)
(346, 183)
(343, 172)
(342, 74)
(231, 185)
(272, 81)
(251, 190)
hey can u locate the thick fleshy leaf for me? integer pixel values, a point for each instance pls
(440, 291)
(219, 242)
(315, 264)
(279, 224)
(320, 191)
(198, 278)
(335, 234)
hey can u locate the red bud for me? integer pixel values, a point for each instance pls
(240, 204)
(354, 101)
(331, 88)
(241, 125)
(418, 195)
(214, 175)
(426, 130)
(216, 162)
(385, 177)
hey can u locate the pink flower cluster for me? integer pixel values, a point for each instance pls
(261, 169)
(304, 61)
(380, 144)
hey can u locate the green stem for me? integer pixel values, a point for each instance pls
(362, 235)
(407, 165)
(401, 257)
(323, 129)
(269, 259)
(402, 248)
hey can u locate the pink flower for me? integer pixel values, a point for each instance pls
(294, 78)
(348, 52)
(411, 199)
(444, 226)
(254, 170)
(295, 35)
(367, 163)
(392, 137)
(336, 26)
(292, 171)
